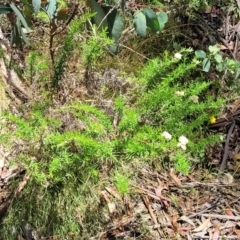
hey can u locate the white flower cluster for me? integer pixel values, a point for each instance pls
(182, 140)
(180, 93)
(178, 55)
(167, 135)
(193, 98)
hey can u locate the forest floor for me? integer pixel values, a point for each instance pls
(161, 204)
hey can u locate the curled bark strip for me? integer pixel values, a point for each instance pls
(10, 78)
(226, 147)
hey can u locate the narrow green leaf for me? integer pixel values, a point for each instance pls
(20, 17)
(36, 5)
(140, 23)
(200, 54)
(100, 15)
(5, 9)
(206, 64)
(152, 20)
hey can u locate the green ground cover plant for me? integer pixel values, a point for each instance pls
(162, 121)
(170, 100)
(59, 161)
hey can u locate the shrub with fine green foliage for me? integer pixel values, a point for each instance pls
(171, 100)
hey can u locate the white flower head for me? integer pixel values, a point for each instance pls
(182, 142)
(167, 135)
(178, 55)
(180, 93)
(194, 98)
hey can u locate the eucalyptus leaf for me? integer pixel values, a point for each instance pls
(218, 58)
(52, 8)
(117, 28)
(162, 19)
(113, 48)
(152, 20)
(149, 13)
(20, 17)
(111, 15)
(15, 38)
(140, 23)
(200, 54)
(36, 5)
(99, 17)
(206, 64)
(21, 33)
(5, 8)
(24, 37)
(116, 33)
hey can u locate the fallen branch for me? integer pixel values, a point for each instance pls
(235, 218)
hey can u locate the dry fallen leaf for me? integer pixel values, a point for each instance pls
(228, 178)
(175, 179)
(114, 193)
(22, 184)
(235, 105)
(175, 224)
(229, 224)
(216, 233)
(148, 206)
(158, 192)
(237, 231)
(188, 220)
(236, 156)
(204, 225)
(229, 212)
(229, 46)
(111, 206)
(182, 232)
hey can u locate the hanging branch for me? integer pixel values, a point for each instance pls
(55, 30)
